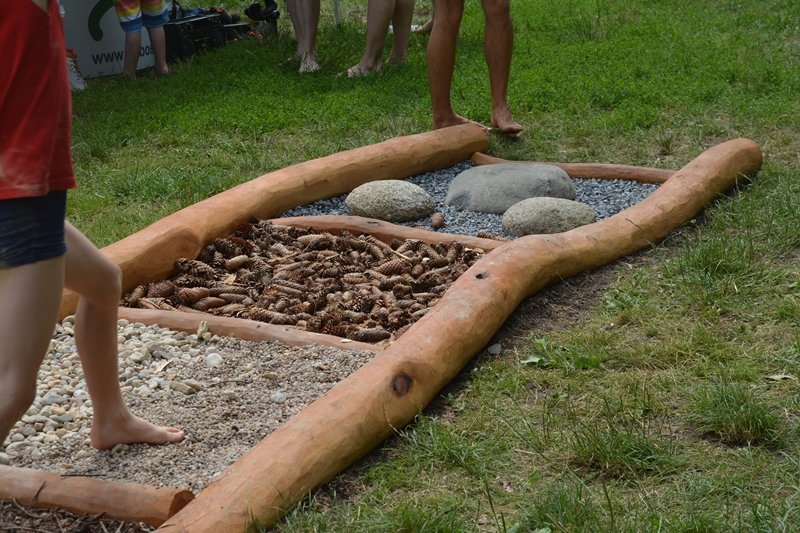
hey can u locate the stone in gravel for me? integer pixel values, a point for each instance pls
(52, 399)
(4, 459)
(546, 215)
(138, 357)
(193, 383)
(277, 397)
(213, 359)
(495, 188)
(391, 200)
(182, 387)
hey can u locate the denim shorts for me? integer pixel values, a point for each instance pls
(32, 229)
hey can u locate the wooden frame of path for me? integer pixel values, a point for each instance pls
(386, 393)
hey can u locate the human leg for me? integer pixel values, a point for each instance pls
(442, 59)
(379, 13)
(305, 19)
(497, 47)
(154, 16)
(97, 280)
(129, 14)
(30, 296)
(31, 281)
(401, 24)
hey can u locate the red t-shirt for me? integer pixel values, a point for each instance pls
(35, 101)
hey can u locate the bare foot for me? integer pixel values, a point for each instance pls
(425, 29)
(360, 70)
(505, 123)
(455, 120)
(130, 430)
(309, 63)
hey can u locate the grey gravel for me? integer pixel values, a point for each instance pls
(606, 197)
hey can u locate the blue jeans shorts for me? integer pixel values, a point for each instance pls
(32, 229)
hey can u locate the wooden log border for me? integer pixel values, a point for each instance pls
(386, 393)
(80, 495)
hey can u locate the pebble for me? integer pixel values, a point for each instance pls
(213, 360)
(495, 349)
(4, 459)
(277, 397)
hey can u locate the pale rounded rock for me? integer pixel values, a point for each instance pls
(213, 359)
(546, 215)
(390, 200)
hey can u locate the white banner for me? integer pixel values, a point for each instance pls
(92, 29)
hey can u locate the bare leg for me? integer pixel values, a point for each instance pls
(305, 19)
(442, 60)
(379, 12)
(497, 47)
(401, 22)
(133, 43)
(31, 295)
(159, 44)
(97, 280)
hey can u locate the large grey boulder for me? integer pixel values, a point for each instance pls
(546, 215)
(390, 200)
(495, 188)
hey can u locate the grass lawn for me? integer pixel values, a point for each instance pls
(672, 405)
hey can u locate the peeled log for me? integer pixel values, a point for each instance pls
(384, 231)
(129, 502)
(240, 328)
(601, 171)
(386, 393)
(150, 254)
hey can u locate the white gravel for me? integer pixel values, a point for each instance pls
(227, 395)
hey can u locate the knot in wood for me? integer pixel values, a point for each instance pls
(401, 384)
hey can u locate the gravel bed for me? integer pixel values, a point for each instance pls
(227, 394)
(606, 197)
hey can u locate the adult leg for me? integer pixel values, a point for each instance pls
(30, 296)
(401, 25)
(379, 13)
(305, 19)
(442, 59)
(497, 47)
(97, 280)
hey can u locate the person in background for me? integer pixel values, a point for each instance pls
(76, 81)
(379, 14)
(498, 42)
(41, 253)
(305, 19)
(152, 14)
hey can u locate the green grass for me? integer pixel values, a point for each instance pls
(673, 404)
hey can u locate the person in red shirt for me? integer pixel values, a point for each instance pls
(41, 253)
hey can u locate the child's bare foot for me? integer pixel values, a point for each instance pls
(309, 63)
(505, 123)
(132, 429)
(455, 120)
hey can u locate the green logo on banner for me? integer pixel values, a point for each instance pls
(94, 18)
